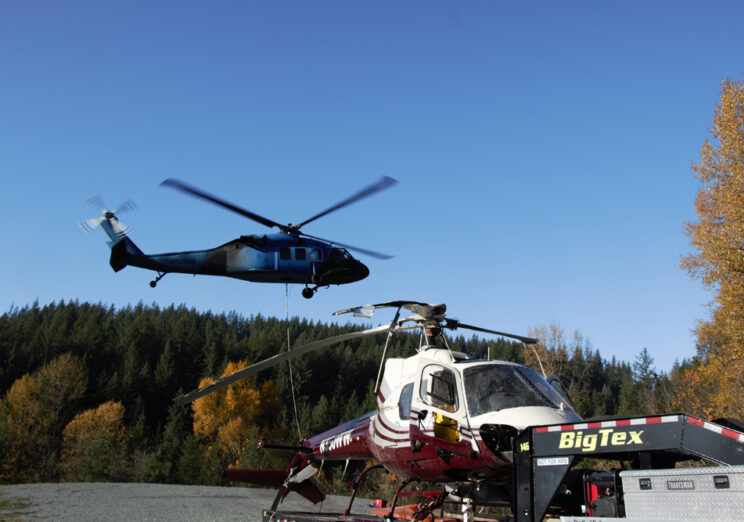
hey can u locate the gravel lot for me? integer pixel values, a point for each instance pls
(102, 502)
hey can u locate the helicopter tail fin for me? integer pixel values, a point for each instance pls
(122, 251)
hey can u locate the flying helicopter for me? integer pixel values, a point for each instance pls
(289, 256)
(441, 417)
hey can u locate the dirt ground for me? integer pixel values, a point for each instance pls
(134, 502)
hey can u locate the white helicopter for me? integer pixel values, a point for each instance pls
(441, 417)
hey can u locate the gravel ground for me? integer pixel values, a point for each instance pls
(85, 502)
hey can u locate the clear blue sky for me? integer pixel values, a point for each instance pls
(543, 152)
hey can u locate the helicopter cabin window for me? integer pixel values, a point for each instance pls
(300, 254)
(404, 404)
(284, 253)
(438, 388)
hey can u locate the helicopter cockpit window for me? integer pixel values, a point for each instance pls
(494, 387)
(438, 388)
(339, 254)
(284, 253)
(300, 254)
(404, 404)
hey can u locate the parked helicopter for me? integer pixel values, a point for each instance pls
(290, 256)
(441, 417)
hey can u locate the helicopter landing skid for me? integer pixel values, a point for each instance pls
(154, 282)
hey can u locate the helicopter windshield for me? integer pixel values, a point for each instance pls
(494, 387)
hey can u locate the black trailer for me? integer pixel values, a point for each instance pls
(544, 457)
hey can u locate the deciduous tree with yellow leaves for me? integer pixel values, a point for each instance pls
(715, 382)
(33, 413)
(93, 444)
(233, 418)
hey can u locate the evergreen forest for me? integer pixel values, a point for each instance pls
(86, 389)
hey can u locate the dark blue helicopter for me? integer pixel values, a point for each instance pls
(290, 256)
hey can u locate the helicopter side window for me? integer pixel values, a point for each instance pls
(284, 253)
(438, 388)
(300, 254)
(404, 404)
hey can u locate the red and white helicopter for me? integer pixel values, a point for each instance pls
(441, 417)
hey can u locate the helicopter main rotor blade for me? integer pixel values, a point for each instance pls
(371, 253)
(273, 361)
(453, 324)
(382, 184)
(185, 187)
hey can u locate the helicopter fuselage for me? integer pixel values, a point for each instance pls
(267, 258)
(445, 420)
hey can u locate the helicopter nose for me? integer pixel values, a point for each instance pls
(360, 271)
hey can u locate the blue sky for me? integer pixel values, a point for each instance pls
(543, 152)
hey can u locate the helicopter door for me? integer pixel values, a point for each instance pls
(437, 413)
(315, 256)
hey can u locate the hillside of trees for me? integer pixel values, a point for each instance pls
(86, 390)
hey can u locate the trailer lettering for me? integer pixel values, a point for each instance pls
(567, 440)
(604, 438)
(590, 443)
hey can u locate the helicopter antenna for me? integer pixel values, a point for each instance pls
(538, 360)
(393, 325)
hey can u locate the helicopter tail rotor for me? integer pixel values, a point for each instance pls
(114, 228)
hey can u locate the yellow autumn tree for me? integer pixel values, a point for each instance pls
(35, 410)
(235, 417)
(93, 444)
(714, 386)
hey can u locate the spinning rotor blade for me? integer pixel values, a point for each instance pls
(89, 224)
(97, 202)
(453, 324)
(125, 207)
(188, 189)
(371, 253)
(382, 184)
(120, 228)
(273, 361)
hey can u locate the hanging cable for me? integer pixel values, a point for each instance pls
(289, 362)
